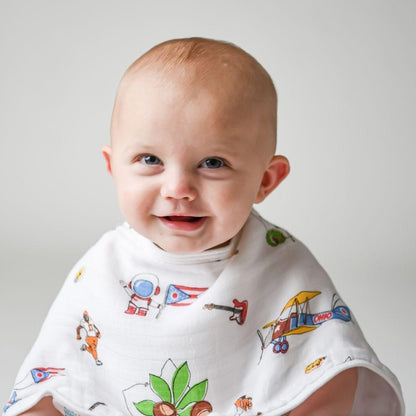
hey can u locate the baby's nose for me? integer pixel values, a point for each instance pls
(178, 185)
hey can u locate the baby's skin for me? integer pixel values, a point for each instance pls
(193, 138)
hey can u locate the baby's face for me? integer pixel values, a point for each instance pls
(188, 166)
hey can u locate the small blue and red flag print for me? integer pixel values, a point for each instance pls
(11, 401)
(177, 295)
(44, 373)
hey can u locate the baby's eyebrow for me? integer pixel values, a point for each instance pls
(225, 150)
(137, 145)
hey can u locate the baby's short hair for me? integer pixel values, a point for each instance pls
(207, 53)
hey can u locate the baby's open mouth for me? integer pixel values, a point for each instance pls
(183, 222)
(182, 218)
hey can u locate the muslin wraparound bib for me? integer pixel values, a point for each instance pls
(252, 328)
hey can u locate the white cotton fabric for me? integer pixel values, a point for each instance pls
(136, 337)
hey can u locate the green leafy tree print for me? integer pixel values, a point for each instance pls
(178, 398)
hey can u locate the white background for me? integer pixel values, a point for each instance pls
(346, 77)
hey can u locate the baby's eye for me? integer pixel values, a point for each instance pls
(213, 163)
(149, 160)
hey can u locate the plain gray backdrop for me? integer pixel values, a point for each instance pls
(345, 74)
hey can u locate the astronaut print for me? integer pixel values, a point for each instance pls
(141, 289)
(147, 299)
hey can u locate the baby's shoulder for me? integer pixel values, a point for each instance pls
(276, 247)
(111, 248)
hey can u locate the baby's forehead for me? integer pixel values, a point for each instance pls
(226, 73)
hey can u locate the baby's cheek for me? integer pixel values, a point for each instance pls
(124, 197)
(235, 207)
(128, 201)
(239, 197)
(131, 192)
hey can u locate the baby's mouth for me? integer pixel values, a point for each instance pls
(182, 218)
(183, 222)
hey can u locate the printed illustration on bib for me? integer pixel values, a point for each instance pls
(38, 375)
(314, 365)
(79, 274)
(144, 287)
(69, 412)
(296, 319)
(96, 404)
(239, 310)
(178, 295)
(141, 289)
(92, 333)
(35, 376)
(243, 407)
(169, 394)
(13, 399)
(274, 236)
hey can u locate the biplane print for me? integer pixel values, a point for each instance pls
(296, 319)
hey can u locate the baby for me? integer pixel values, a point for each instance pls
(196, 305)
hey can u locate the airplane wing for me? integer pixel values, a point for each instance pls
(299, 330)
(301, 297)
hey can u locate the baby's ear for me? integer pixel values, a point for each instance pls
(277, 170)
(106, 151)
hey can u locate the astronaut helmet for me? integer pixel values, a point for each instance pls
(145, 285)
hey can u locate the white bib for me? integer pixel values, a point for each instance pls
(251, 328)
